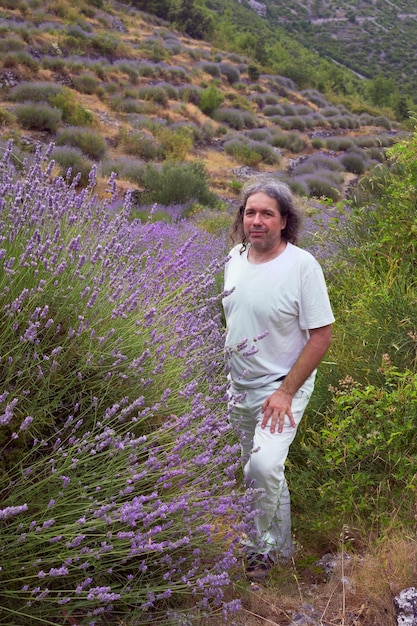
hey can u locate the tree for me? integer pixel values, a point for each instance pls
(402, 108)
(253, 72)
(196, 21)
(381, 90)
(156, 7)
(260, 52)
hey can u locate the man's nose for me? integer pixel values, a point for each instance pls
(257, 218)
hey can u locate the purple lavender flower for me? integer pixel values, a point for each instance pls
(10, 511)
(115, 357)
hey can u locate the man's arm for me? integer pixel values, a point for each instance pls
(278, 405)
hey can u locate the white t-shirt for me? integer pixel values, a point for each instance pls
(269, 312)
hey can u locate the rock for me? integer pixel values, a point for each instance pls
(406, 607)
(118, 25)
(307, 615)
(8, 78)
(329, 562)
(259, 7)
(244, 172)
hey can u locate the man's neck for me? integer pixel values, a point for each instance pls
(256, 256)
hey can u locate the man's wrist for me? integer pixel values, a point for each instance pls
(284, 388)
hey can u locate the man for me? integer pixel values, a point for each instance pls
(278, 318)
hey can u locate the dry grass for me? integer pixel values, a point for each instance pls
(359, 591)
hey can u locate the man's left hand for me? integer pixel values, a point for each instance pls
(276, 407)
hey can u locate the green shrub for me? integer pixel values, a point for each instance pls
(317, 143)
(177, 184)
(75, 30)
(71, 43)
(12, 4)
(72, 112)
(91, 143)
(211, 98)
(353, 462)
(38, 117)
(271, 98)
(299, 187)
(170, 91)
(259, 100)
(368, 438)
(377, 154)
(176, 143)
(213, 221)
(7, 118)
(253, 72)
(249, 120)
(297, 123)
(282, 122)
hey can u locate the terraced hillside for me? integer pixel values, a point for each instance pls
(114, 87)
(371, 38)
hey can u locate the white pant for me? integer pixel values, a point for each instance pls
(263, 459)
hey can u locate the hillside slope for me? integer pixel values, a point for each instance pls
(371, 38)
(118, 88)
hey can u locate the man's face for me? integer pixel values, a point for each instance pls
(262, 222)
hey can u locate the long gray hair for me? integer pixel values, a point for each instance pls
(282, 194)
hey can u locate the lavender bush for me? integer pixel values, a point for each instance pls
(72, 164)
(37, 91)
(39, 117)
(117, 465)
(89, 141)
(235, 118)
(125, 167)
